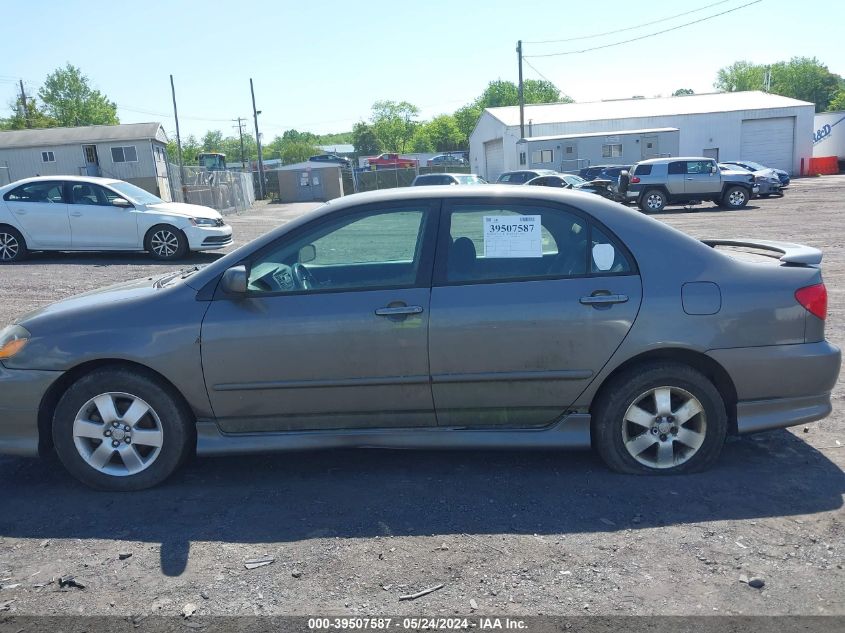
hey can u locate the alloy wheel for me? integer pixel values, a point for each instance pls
(9, 247)
(654, 201)
(118, 434)
(736, 198)
(164, 243)
(664, 427)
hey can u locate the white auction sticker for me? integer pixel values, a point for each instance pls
(512, 236)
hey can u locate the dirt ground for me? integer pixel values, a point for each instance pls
(504, 533)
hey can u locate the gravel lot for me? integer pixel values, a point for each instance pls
(506, 533)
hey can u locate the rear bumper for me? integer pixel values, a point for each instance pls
(762, 415)
(781, 385)
(21, 392)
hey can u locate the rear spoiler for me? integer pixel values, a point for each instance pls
(789, 253)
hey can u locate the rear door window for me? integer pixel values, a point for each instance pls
(642, 170)
(678, 167)
(36, 192)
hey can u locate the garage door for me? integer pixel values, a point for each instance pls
(768, 141)
(494, 159)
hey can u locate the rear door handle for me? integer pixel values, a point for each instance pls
(603, 299)
(20, 211)
(76, 214)
(399, 310)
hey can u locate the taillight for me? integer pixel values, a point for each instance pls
(635, 179)
(814, 299)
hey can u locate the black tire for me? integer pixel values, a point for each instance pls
(165, 242)
(169, 417)
(736, 197)
(12, 245)
(653, 200)
(609, 427)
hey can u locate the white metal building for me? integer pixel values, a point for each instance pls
(135, 152)
(774, 130)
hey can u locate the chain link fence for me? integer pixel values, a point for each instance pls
(225, 191)
(373, 180)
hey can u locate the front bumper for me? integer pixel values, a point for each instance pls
(21, 392)
(781, 385)
(202, 238)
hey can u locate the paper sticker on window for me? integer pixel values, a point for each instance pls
(512, 236)
(603, 256)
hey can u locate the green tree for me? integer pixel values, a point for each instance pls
(739, 76)
(498, 94)
(69, 99)
(364, 140)
(465, 118)
(212, 141)
(297, 151)
(444, 133)
(34, 117)
(190, 149)
(421, 140)
(541, 91)
(394, 123)
(838, 101)
(807, 79)
(338, 138)
(680, 92)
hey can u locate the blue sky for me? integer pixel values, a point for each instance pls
(319, 66)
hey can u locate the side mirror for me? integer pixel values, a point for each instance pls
(714, 169)
(121, 202)
(234, 280)
(307, 253)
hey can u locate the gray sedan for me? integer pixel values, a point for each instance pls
(430, 317)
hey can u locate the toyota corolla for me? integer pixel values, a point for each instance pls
(430, 317)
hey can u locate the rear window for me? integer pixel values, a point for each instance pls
(679, 167)
(642, 170)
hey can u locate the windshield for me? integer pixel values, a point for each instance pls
(135, 194)
(574, 180)
(756, 166)
(471, 179)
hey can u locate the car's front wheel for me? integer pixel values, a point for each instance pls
(12, 245)
(166, 242)
(662, 418)
(119, 430)
(653, 200)
(735, 197)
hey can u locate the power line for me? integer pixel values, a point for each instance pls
(629, 28)
(642, 37)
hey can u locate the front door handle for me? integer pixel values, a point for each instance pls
(690, 178)
(603, 299)
(399, 310)
(76, 214)
(20, 211)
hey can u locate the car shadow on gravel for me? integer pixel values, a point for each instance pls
(365, 493)
(117, 258)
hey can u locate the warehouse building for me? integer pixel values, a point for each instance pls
(135, 152)
(770, 129)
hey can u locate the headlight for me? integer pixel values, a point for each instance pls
(206, 222)
(12, 340)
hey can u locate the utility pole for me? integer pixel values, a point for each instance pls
(26, 121)
(178, 137)
(241, 134)
(255, 114)
(521, 93)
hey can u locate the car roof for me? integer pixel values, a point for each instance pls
(90, 179)
(655, 161)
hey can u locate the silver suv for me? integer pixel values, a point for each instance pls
(660, 181)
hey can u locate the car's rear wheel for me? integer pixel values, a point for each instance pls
(653, 200)
(166, 242)
(735, 197)
(115, 429)
(662, 418)
(12, 245)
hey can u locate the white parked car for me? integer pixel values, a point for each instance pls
(78, 213)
